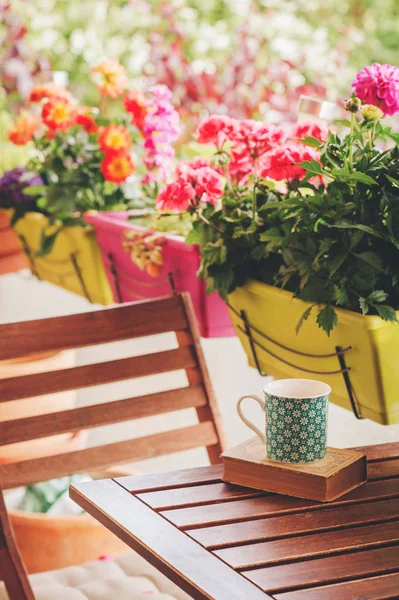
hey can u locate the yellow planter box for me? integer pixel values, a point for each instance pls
(372, 357)
(74, 263)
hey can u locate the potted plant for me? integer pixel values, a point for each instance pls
(302, 241)
(85, 158)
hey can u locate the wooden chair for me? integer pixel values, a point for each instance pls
(128, 321)
(124, 322)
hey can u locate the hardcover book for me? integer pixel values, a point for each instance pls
(336, 474)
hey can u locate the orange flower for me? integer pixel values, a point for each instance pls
(117, 168)
(85, 118)
(115, 139)
(50, 90)
(24, 129)
(135, 104)
(111, 76)
(58, 114)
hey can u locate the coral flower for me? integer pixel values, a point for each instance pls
(58, 114)
(309, 129)
(117, 167)
(85, 119)
(50, 90)
(136, 105)
(379, 85)
(216, 129)
(176, 196)
(281, 163)
(111, 77)
(115, 139)
(24, 129)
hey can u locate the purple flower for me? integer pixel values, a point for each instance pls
(12, 185)
(379, 85)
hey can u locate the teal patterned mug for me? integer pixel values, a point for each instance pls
(296, 413)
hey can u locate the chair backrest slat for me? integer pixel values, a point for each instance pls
(31, 471)
(107, 413)
(28, 386)
(96, 327)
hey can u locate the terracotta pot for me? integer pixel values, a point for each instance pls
(52, 542)
(11, 255)
(18, 409)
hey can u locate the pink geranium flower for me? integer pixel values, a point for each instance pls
(281, 163)
(217, 129)
(176, 196)
(192, 186)
(257, 137)
(309, 129)
(196, 163)
(379, 85)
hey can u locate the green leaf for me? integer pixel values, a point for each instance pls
(260, 252)
(270, 234)
(371, 259)
(193, 236)
(364, 305)
(377, 296)
(337, 261)
(47, 242)
(341, 295)
(387, 313)
(394, 181)
(215, 252)
(313, 167)
(353, 176)
(220, 278)
(304, 318)
(327, 319)
(35, 190)
(311, 141)
(393, 136)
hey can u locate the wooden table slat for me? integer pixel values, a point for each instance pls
(196, 496)
(384, 587)
(306, 546)
(309, 573)
(241, 510)
(383, 469)
(379, 451)
(184, 561)
(293, 525)
(174, 479)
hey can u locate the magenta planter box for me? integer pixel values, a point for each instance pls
(178, 272)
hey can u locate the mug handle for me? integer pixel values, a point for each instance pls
(247, 422)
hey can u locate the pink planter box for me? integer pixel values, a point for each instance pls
(177, 274)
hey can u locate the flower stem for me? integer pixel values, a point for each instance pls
(205, 220)
(352, 131)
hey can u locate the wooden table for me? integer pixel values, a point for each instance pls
(223, 542)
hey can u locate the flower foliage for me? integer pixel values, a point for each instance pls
(317, 214)
(84, 158)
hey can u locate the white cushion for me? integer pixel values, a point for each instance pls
(128, 577)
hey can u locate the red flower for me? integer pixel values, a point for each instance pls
(190, 188)
(49, 90)
(281, 163)
(58, 114)
(257, 137)
(117, 167)
(24, 129)
(217, 129)
(86, 120)
(114, 139)
(176, 196)
(209, 185)
(136, 105)
(196, 163)
(309, 129)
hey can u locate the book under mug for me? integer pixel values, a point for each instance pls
(339, 472)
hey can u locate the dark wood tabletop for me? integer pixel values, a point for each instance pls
(224, 542)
